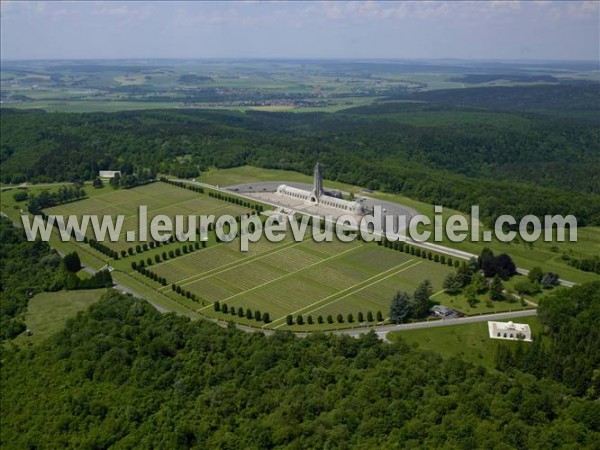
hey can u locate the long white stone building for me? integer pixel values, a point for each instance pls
(317, 196)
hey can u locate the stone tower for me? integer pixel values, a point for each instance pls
(317, 190)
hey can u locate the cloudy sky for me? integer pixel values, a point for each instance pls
(477, 30)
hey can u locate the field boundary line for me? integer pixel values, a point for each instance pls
(289, 274)
(395, 268)
(238, 263)
(170, 206)
(366, 286)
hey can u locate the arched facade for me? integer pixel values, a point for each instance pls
(322, 200)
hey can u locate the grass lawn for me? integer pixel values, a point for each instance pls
(48, 312)
(470, 341)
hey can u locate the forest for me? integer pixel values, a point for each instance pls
(28, 268)
(123, 374)
(456, 155)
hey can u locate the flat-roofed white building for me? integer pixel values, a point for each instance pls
(510, 331)
(108, 173)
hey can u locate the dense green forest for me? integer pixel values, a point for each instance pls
(455, 155)
(571, 354)
(27, 268)
(123, 374)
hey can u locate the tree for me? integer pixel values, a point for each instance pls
(309, 320)
(401, 308)
(549, 280)
(471, 292)
(464, 275)
(329, 318)
(248, 314)
(526, 286)
(320, 319)
(379, 316)
(486, 262)
(421, 300)
(478, 283)
(361, 317)
(240, 312)
(217, 306)
(257, 315)
(496, 289)
(369, 316)
(225, 308)
(72, 262)
(505, 266)
(340, 318)
(20, 196)
(350, 318)
(535, 274)
(300, 319)
(266, 317)
(289, 319)
(452, 283)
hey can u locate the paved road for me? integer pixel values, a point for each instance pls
(28, 185)
(383, 330)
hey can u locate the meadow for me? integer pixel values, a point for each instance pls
(47, 312)
(469, 342)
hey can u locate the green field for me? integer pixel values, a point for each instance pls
(48, 312)
(159, 198)
(469, 341)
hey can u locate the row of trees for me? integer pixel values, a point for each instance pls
(153, 276)
(360, 318)
(185, 293)
(237, 201)
(168, 254)
(586, 264)
(128, 181)
(102, 248)
(188, 186)
(418, 252)
(47, 199)
(241, 312)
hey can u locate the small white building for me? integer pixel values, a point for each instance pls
(108, 174)
(510, 331)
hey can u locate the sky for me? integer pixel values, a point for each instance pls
(515, 30)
